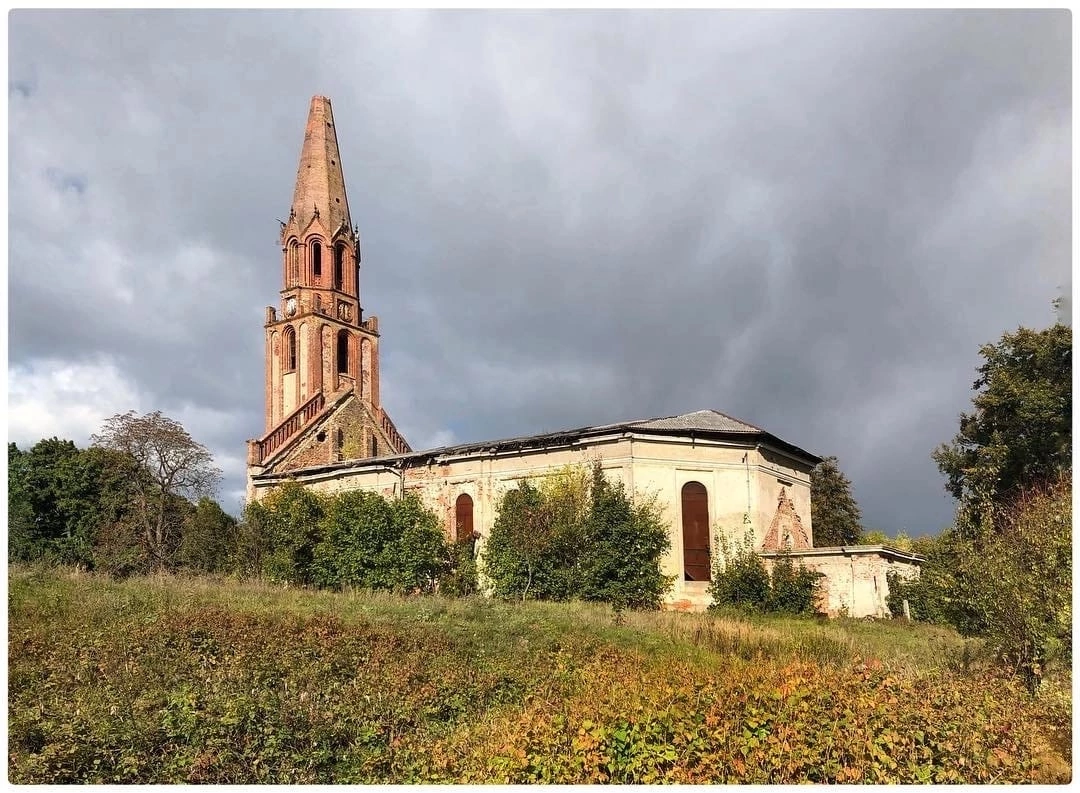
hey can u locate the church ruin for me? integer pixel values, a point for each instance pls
(327, 429)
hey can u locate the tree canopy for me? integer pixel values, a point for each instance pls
(160, 463)
(1020, 431)
(834, 513)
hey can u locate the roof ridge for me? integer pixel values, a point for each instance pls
(733, 418)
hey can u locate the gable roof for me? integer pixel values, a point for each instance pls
(697, 424)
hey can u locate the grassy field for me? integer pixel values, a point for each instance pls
(192, 680)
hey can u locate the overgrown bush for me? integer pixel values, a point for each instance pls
(931, 595)
(282, 532)
(461, 579)
(1020, 580)
(739, 577)
(740, 581)
(1011, 585)
(351, 539)
(578, 536)
(793, 589)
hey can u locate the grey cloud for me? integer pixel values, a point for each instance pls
(807, 220)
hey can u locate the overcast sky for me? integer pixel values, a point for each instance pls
(809, 221)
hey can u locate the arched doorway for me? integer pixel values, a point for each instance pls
(697, 560)
(463, 518)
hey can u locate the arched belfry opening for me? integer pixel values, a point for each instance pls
(288, 350)
(343, 352)
(339, 265)
(316, 260)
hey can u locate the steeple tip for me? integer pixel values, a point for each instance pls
(320, 182)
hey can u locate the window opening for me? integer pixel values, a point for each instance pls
(339, 265)
(463, 518)
(290, 349)
(697, 562)
(343, 352)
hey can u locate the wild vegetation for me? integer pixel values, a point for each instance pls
(1003, 571)
(741, 582)
(139, 499)
(172, 679)
(333, 653)
(834, 513)
(581, 536)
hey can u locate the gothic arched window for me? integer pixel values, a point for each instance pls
(697, 562)
(294, 262)
(343, 352)
(288, 350)
(339, 264)
(316, 260)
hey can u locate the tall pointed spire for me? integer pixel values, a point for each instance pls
(320, 183)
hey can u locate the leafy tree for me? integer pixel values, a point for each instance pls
(577, 536)
(417, 555)
(57, 500)
(160, 462)
(281, 532)
(834, 513)
(1020, 432)
(520, 538)
(22, 534)
(622, 545)
(209, 538)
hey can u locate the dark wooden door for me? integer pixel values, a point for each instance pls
(463, 525)
(697, 563)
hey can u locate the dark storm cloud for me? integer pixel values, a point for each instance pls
(807, 220)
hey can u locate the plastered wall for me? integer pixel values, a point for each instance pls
(741, 480)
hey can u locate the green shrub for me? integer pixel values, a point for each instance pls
(1020, 580)
(370, 542)
(740, 580)
(282, 532)
(622, 544)
(793, 590)
(461, 579)
(578, 536)
(351, 539)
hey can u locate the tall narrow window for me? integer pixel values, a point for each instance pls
(374, 446)
(294, 262)
(339, 264)
(316, 260)
(289, 350)
(463, 525)
(697, 561)
(343, 352)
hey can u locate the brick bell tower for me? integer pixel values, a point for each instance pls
(322, 356)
